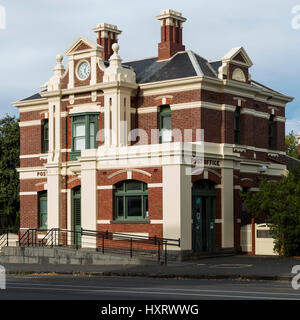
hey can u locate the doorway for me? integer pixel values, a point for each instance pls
(76, 201)
(203, 215)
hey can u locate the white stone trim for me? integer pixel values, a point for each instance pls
(64, 190)
(28, 193)
(30, 123)
(253, 189)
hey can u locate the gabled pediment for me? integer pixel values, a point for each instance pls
(238, 55)
(82, 44)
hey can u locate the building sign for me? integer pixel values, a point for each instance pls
(207, 162)
(41, 173)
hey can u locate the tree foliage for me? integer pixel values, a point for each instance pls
(291, 145)
(278, 203)
(9, 179)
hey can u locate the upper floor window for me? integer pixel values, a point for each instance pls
(237, 125)
(271, 132)
(84, 133)
(43, 210)
(45, 136)
(165, 124)
(131, 200)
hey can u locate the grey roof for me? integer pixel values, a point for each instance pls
(181, 65)
(292, 162)
(33, 97)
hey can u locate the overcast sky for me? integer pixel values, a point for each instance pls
(36, 30)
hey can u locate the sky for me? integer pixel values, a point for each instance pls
(33, 32)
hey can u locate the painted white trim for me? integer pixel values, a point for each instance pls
(103, 221)
(156, 221)
(105, 187)
(30, 123)
(253, 189)
(155, 185)
(219, 220)
(147, 110)
(28, 156)
(28, 193)
(64, 190)
(84, 109)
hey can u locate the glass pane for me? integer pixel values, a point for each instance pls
(79, 143)
(120, 207)
(92, 142)
(43, 222)
(120, 187)
(92, 129)
(146, 206)
(43, 206)
(134, 185)
(79, 119)
(134, 206)
(166, 122)
(166, 135)
(79, 130)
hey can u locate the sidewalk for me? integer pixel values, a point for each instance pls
(230, 267)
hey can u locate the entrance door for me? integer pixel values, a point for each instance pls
(77, 215)
(203, 214)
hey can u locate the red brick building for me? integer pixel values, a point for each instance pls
(102, 142)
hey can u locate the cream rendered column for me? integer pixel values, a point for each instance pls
(177, 205)
(53, 184)
(119, 83)
(227, 203)
(88, 162)
(53, 166)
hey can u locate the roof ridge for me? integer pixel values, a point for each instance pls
(195, 63)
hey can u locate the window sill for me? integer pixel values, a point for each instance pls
(129, 221)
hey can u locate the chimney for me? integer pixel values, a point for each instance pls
(171, 34)
(107, 34)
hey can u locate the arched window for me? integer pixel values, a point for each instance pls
(271, 132)
(165, 124)
(43, 210)
(131, 200)
(237, 125)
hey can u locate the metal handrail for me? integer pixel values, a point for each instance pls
(54, 237)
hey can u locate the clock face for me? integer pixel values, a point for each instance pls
(83, 70)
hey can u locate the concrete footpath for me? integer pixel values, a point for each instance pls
(227, 267)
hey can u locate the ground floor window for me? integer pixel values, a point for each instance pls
(131, 200)
(43, 212)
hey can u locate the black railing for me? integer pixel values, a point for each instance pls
(5, 236)
(103, 241)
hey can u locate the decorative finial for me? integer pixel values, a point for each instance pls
(115, 47)
(59, 58)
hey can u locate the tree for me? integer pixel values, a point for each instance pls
(291, 145)
(9, 179)
(278, 203)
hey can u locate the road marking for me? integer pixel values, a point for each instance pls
(168, 291)
(156, 293)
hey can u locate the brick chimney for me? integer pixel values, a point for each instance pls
(107, 34)
(171, 34)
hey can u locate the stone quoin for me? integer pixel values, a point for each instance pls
(73, 177)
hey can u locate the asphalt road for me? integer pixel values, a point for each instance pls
(50, 287)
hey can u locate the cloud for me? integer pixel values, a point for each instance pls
(36, 32)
